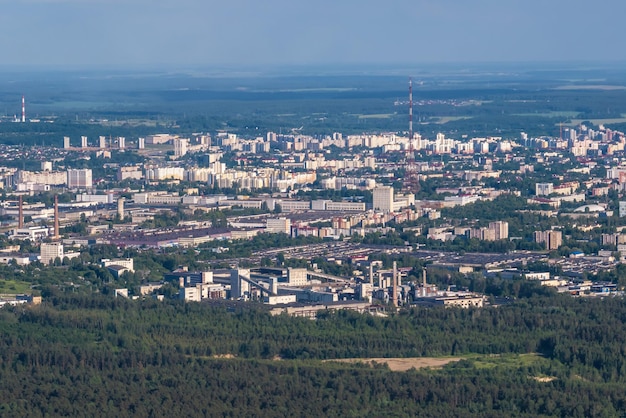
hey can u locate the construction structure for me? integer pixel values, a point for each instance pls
(23, 109)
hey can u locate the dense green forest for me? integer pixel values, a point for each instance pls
(93, 355)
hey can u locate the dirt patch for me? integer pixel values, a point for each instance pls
(224, 356)
(404, 364)
(544, 379)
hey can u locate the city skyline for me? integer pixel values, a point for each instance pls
(136, 33)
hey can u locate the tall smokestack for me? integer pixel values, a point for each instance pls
(23, 110)
(424, 281)
(120, 208)
(20, 221)
(395, 284)
(410, 108)
(371, 273)
(56, 217)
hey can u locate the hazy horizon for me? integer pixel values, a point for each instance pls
(248, 35)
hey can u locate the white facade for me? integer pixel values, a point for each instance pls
(50, 251)
(124, 262)
(165, 173)
(279, 225)
(346, 206)
(53, 178)
(34, 233)
(180, 147)
(96, 198)
(383, 199)
(297, 277)
(544, 189)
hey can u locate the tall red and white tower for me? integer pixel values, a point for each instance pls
(23, 109)
(411, 176)
(410, 109)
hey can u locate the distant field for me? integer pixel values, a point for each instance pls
(553, 114)
(575, 122)
(440, 120)
(129, 122)
(473, 360)
(376, 116)
(590, 87)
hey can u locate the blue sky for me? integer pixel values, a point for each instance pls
(247, 33)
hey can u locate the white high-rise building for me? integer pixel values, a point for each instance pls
(66, 142)
(180, 147)
(501, 229)
(50, 251)
(103, 142)
(544, 189)
(79, 179)
(141, 143)
(121, 142)
(383, 199)
(83, 141)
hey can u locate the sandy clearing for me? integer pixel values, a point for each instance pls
(404, 364)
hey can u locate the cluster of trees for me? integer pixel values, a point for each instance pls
(77, 355)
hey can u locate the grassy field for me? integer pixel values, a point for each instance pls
(440, 120)
(553, 114)
(591, 87)
(12, 287)
(576, 122)
(376, 116)
(509, 360)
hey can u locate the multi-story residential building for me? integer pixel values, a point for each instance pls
(544, 189)
(383, 199)
(50, 251)
(79, 179)
(552, 239)
(501, 229)
(279, 225)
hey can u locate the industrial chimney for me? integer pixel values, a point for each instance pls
(20, 221)
(23, 110)
(56, 217)
(120, 208)
(395, 284)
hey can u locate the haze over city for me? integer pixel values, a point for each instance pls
(168, 33)
(287, 208)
